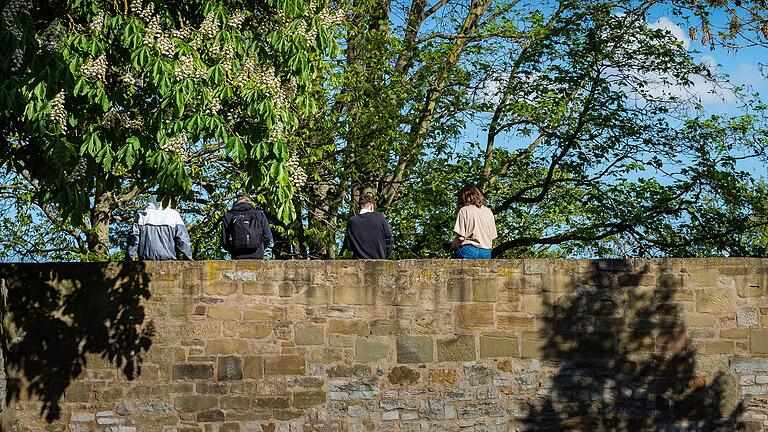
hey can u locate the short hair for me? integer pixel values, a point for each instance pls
(470, 195)
(366, 199)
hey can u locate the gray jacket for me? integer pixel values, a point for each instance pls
(156, 234)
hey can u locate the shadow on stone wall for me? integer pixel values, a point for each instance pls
(58, 316)
(625, 360)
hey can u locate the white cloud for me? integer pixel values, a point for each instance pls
(664, 23)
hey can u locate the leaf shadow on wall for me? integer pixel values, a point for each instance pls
(57, 316)
(626, 363)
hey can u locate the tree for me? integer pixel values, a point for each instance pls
(103, 101)
(592, 144)
(586, 136)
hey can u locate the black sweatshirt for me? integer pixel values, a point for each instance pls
(266, 233)
(368, 236)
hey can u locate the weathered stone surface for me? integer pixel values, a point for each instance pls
(459, 348)
(356, 294)
(403, 375)
(309, 335)
(192, 371)
(714, 300)
(368, 350)
(758, 341)
(474, 315)
(496, 346)
(284, 365)
(230, 368)
(253, 366)
(306, 399)
(353, 390)
(414, 349)
(210, 416)
(360, 328)
(412, 345)
(195, 403)
(226, 346)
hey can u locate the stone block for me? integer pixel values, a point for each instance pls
(534, 304)
(224, 312)
(369, 351)
(516, 322)
(704, 277)
(306, 399)
(253, 367)
(309, 335)
(337, 340)
(718, 347)
(360, 328)
(758, 341)
(699, 320)
(532, 344)
(211, 388)
(485, 289)
(260, 288)
(459, 348)
(263, 314)
(747, 317)
(474, 315)
(735, 333)
(255, 330)
(314, 295)
(403, 375)
(230, 368)
(498, 346)
(82, 417)
(714, 300)
(364, 389)
(414, 349)
(354, 294)
(637, 279)
(220, 288)
(385, 327)
(459, 289)
(215, 415)
(240, 403)
(192, 371)
(226, 346)
(751, 289)
(78, 392)
(272, 403)
(195, 403)
(284, 365)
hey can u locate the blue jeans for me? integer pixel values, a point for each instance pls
(472, 252)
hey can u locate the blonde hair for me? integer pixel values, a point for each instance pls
(470, 195)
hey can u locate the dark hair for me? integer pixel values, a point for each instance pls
(470, 195)
(365, 200)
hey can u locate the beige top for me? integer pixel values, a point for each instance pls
(477, 226)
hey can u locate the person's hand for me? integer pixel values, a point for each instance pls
(456, 242)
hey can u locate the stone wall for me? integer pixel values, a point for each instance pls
(426, 345)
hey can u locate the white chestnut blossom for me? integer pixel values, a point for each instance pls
(95, 69)
(58, 115)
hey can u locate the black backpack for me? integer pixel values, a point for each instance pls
(242, 230)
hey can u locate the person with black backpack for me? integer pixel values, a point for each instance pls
(245, 231)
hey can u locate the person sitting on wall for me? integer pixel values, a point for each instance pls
(156, 233)
(245, 231)
(475, 226)
(368, 234)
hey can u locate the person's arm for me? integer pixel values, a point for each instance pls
(182, 241)
(223, 235)
(460, 229)
(133, 242)
(266, 232)
(388, 240)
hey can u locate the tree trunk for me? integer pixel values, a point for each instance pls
(101, 213)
